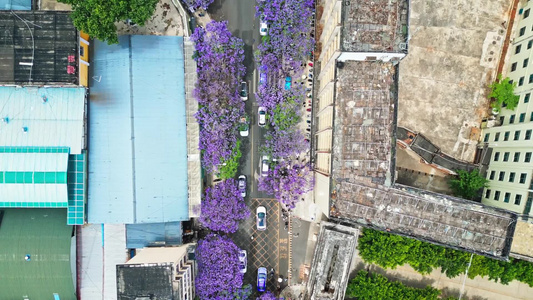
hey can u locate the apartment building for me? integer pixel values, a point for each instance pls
(510, 136)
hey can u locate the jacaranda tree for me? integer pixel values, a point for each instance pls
(267, 296)
(223, 207)
(218, 268)
(219, 57)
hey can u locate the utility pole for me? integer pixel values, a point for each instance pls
(466, 275)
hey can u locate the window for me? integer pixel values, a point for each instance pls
(524, 64)
(517, 199)
(522, 118)
(82, 50)
(529, 44)
(527, 137)
(497, 195)
(526, 97)
(521, 81)
(516, 135)
(526, 13)
(506, 156)
(506, 136)
(530, 78)
(523, 177)
(486, 139)
(492, 173)
(496, 156)
(516, 157)
(511, 119)
(502, 118)
(497, 137)
(522, 31)
(511, 176)
(506, 197)
(510, 82)
(487, 194)
(528, 157)
(531, 117)
(517, 49)
(501, 175)
(513, 66)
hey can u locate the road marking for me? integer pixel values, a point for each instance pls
(252, 149)
(254, 80)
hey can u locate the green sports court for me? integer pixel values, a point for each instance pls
(42, 234)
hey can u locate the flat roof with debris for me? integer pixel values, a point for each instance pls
(331, 262)
(374, 26)
(38, 48)
(362, 173)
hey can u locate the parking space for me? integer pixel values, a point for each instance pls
(267, 248)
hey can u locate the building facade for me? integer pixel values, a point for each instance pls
(510, 135)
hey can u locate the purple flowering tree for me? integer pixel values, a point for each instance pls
(288, 181)
(195, 4)
(218, 268)
(219, 57)
(267, 296)
(223, 207)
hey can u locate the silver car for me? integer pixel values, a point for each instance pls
(243, 261)
(242, 185)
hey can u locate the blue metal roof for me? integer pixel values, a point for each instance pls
(154, 234)
(15, 4)
(137, 132)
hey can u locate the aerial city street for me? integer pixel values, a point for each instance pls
(266, 150)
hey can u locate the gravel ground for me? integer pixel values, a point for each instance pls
(165, 21)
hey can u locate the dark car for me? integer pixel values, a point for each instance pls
(261, 279)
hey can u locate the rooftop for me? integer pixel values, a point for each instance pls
(38, 47)
(374, 26)
(138, 132)
(153, 234)
(43, 235)
(331, 262)
(363, 157)
(152, 281)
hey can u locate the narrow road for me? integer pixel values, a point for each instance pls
(267, 248)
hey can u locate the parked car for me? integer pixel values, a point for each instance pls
(244, 128)
(263, 28)
(264, 165)
(288, 82)
(242, 185)
(262, 75)
(261, 279)
(262, 116)
(243, 261)
(244, 91)
(260, 215)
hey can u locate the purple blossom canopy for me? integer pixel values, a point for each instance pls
(218, 268)
(223, 207)
(219, 57)
(267, 296)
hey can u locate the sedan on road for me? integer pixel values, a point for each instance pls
(242, 185)
(244, 91)
(260, 214)
(243, 261)
(261, 279)
(264, 165)
(262, 111)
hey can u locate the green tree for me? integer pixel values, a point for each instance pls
(378, 287)
(502, 90)
(97, 17)
(467, 184)
(229, 170)
(284, 115)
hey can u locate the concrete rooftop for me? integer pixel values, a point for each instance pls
(453, 53)
(374, 26)
(362, 177)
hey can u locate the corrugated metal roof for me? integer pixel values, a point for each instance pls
(15, 4)
(138, 157)
(153, 234)
(36, 162)
(44, 117)
(43, 235)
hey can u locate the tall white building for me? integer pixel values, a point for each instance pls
(511, 139)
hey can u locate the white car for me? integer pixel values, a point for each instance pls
(242, 185)
(263, 28)
(262, 111)
(264, 165)
(243, 261)
(244, 91)
(260, 215)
